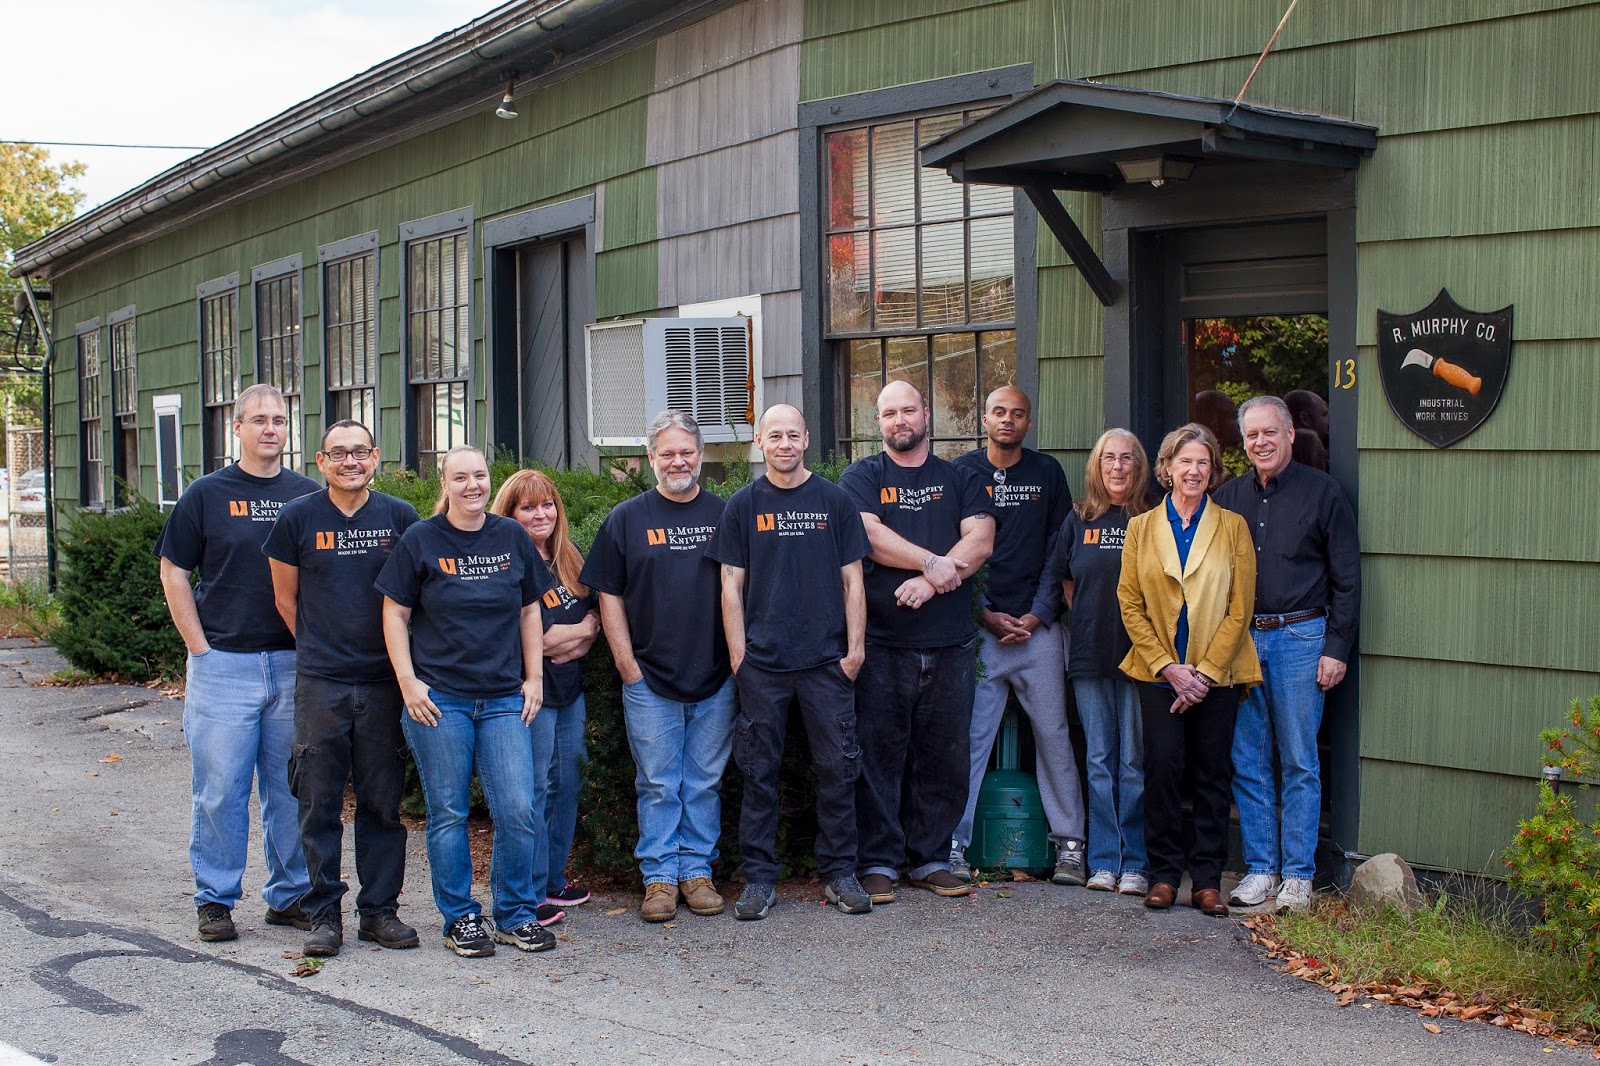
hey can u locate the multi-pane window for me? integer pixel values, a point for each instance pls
(920, 281)
(91, 474)
(438, 346)
(278, 351)
(219, 376)
(124, 405)
(350, 338)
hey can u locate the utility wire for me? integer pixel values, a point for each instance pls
(1262, 58)
(95, 144)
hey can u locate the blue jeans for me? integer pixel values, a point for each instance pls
(569, 753)
(238, 720)
(1113, 729)
(680, 750)
(488, 734)
(1281, 717)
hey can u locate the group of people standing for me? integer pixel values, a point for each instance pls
(332, 628)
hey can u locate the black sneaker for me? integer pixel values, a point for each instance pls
(468, 937)
(755, 902)
(324, 940)
(847, 894)
(548, 914)
(387, 931)
(294, 915)
(216, 922)
(570, 895)
(1069, 864)
(530, 936)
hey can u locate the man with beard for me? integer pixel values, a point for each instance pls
(660, 607)
(930, 525)
(325, 551)
(791, 546)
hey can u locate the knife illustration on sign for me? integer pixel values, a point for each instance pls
(1454, 373)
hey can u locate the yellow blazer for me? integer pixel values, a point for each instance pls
(1218, 584)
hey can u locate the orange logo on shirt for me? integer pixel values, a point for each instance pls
(324, 541)
(239, 508)
(552, 599)
(1091, 536)
(765, 523)
(990, 490)
(656, 536)
(447, 566)
(889, 495)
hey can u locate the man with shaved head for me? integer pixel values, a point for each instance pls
(931, 527)
(1023, 650)
(795, 615)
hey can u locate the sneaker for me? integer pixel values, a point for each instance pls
(943, 883)
(958, 862)
(660, 902)
(529, 936)
(293, 915)
(1069, 864)
(755, 902)
(879, 888)
(847, 894)
(469, 938)
(1295, 895)
(216, 922)
(701, 896)
(1253, 890)
(387, 931)
(1102, 881)
(568, 896)
(1133, 884)
(548, 914)
(324, 940)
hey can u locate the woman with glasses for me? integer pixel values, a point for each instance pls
(462, 624)
(1088, 559)
(571, 617)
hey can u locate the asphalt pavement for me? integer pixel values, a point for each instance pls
(101, 963)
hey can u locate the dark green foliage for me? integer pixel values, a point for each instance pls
(113, 615)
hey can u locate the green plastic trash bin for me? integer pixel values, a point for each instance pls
(1009, 828)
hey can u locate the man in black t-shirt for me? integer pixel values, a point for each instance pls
(238, 708)
(1024, 651)
(795, 614)
(931, 526)
(660, 607)
(325, 552)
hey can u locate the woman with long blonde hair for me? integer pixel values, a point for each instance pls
(571, 624)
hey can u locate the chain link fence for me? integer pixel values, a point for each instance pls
(26, 549)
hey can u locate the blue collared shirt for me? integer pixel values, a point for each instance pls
(1185, 539)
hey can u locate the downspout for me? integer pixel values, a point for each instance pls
(49, 439)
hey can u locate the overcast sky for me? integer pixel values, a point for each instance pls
(187, 72)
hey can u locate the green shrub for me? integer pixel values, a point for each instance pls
(27, 609)
(113, 615)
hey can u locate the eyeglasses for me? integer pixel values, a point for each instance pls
(262, 421)
(339, 455)
(1123, 459)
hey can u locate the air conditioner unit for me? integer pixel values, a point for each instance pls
(641, 367)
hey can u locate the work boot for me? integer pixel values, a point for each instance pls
(216, 922)
(660, 902)
(387, 931)
(701, 895)
(292, 915)
(325, 939)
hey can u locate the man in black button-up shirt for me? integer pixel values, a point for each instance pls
(1308, 590)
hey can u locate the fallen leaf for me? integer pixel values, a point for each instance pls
(1430, 1027)
(614, 911)
(1020, 875)
(1346, 999)
(113, 757)
(307, 968)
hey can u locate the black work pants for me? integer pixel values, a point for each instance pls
(1200, 738)
(828, 709)
(346, 731)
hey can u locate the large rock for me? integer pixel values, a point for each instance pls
(1385, 881)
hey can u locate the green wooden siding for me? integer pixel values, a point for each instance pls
(1436, 816)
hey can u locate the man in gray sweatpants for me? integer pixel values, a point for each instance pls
(1023, 650)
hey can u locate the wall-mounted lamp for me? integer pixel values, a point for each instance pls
(507, 109)
(1155, 170)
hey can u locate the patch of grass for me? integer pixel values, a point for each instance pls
(1474, 947)
(27, 610)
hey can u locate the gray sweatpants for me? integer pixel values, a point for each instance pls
(1037, 671)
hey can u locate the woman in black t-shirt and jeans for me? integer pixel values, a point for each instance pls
(462, 624)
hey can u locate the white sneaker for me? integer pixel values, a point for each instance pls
(1102, 881)
(1254, 890)
(1133, 884)
(1295, 895)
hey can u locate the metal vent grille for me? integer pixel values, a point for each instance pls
(616, 382)
(708, 373)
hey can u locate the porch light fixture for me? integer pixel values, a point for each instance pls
(507, 109)
(1155, 170)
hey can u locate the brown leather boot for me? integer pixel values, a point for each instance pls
(701, 895)
(660, 902)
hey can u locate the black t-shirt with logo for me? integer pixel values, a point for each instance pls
(926, 505)
(563, 682)
(466, 590)
(791, 544)
(1089, 554)
(1029, 506)
(339, 618)
(651, 552)
(217, 529)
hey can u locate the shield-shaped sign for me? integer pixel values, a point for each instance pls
(1444, 367)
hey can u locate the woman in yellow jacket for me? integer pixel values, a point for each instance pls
(1187, 592)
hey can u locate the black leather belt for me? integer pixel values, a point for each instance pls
(1278, 621)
